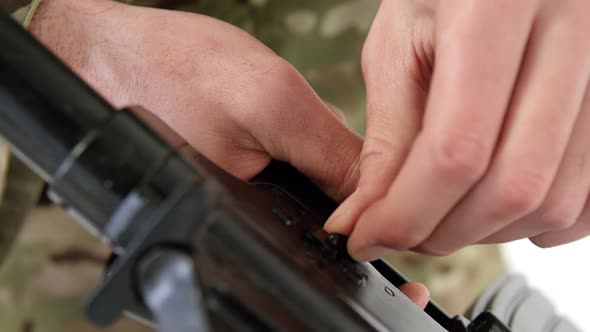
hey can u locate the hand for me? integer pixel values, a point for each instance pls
(478, 123)
(227, 94)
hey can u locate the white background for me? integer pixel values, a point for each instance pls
(562, 273)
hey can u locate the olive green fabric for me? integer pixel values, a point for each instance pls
(24, 14)
(54, 262)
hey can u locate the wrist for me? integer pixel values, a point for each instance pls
(77, 32)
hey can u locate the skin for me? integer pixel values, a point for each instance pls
(154, 58)
(478, 122)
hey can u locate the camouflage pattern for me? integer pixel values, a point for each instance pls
(322, 39)
(54, 262)
(21, 192)
(456, 280)
(45, 278)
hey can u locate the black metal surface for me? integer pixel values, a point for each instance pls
(45, 109)
(91, 156)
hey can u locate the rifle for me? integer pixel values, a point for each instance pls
(193, 248)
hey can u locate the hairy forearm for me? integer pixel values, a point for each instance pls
(57, 25)
(70, 28)
(80, 33)
(90, 36)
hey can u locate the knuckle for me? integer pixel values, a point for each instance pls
(377, 149)
(279, 71)
(269, 85)
(269, 76)
(461, 155)
(570, 19)
(520, 192)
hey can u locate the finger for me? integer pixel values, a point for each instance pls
(338, 112)
(416, 292)
(579, 172)
(394, 105)
(301, 130)
(470, 90)
(578, 231)
(567, 196)
(534, 141)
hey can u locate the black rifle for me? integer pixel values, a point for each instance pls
(194, 249)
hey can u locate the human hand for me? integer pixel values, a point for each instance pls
(478, 123)
(228, 95)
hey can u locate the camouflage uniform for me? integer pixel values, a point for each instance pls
(55, 263)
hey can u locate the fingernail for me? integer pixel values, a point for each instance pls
(369, 253)
(339, 221)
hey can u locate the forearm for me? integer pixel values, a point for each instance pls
(76, 31)
(58, 25)
(90, 36)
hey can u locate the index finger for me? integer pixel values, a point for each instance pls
(476, 65)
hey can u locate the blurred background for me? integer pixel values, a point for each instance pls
(562, 273)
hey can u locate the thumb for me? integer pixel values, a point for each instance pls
(416, 292)
(395, 102)
(325, 150)
(310, 135)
